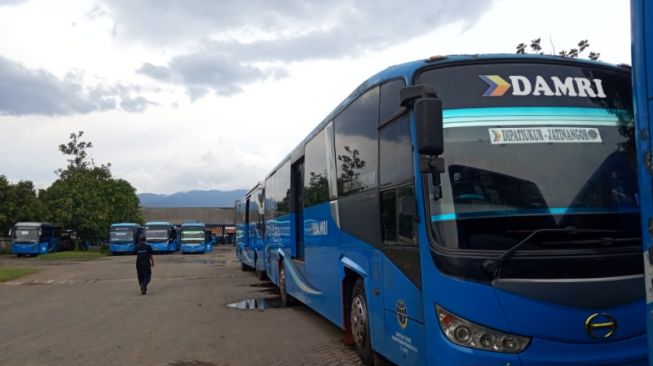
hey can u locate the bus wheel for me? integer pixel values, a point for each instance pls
(259, 273)
(283, 291)
(359, 320)
(243, 267)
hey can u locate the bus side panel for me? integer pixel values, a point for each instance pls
(325, 248)
(404, 339)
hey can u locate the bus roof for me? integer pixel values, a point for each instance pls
(157, 223)
(123, 224)
(193, 223)
(32, 224)
(407, 70)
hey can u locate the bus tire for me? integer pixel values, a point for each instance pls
(259, 273)
(283, 290)
(359, 320)
(243, 267)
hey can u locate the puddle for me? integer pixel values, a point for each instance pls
(259, 303)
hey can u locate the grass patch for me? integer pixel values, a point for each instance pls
(87, 255)
(10, 273)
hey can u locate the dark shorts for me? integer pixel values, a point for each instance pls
(144, 274)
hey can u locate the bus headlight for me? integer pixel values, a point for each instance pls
(467, 334)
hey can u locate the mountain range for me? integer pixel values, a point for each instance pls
(197, 198)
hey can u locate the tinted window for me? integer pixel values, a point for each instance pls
(270, 203)
(282, 189)
(316, 186)
(398, 216)
(396, 165)
(356, 144)
(389, 104)
(530, 84)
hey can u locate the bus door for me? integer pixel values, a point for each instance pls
(298, 204)
(402, 300)
(249, 253)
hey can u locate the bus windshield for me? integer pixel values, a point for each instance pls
(28, 234)
(192, 235)
(120, 234)
(156, 232)
(515, 165)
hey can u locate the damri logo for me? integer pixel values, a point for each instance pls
(554, 86)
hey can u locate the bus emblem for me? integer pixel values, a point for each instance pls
(600, 326)
(498, 86)
(402, 314)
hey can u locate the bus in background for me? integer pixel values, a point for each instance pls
(470, 210)
(249, 231)
(195, 238)
(161, 236)
(123, 237)
(34, 238)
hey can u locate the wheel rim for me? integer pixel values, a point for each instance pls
(359, 320)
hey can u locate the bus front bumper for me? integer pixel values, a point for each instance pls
(543, 352)
(193, 248)
(32, 248)
(122, 248)
(160, 247)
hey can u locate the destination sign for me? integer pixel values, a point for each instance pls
(544, 135)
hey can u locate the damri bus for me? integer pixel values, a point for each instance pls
(33, 238)
(470, 210)
(161, 236)
(195, 238)
(123, 237)
(249, 231)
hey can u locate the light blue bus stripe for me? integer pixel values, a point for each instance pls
(472, 117)
(522, 212)
(532, 111)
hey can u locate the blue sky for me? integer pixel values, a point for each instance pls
(182, 95)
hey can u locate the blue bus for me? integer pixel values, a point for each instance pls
(249, 231)
(469, 210)
(161, 236)
(642, 54)
(123, 237)
(34, 238)
(195, 238)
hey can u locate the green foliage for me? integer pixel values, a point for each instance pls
(86, 198)
(19, 203)
(536, 48)
(10, 273)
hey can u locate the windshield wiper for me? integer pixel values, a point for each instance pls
(494, 265)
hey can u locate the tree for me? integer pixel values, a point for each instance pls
(536, 48)
(86, 198)
(19, 203)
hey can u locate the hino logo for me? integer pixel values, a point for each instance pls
(550, 87)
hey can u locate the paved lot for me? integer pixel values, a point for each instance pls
(92, 313)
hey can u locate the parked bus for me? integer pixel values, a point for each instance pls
(34, 238)
(469, 210)
(161, 236)
(249, 231)
(641, 18)
(195, 238)
(123, 237)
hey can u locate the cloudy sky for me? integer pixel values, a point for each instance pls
(196, 94)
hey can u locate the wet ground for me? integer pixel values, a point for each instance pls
(200, 310)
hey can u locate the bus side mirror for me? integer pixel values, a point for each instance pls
(428, 123)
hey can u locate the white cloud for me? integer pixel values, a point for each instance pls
(233, 142)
